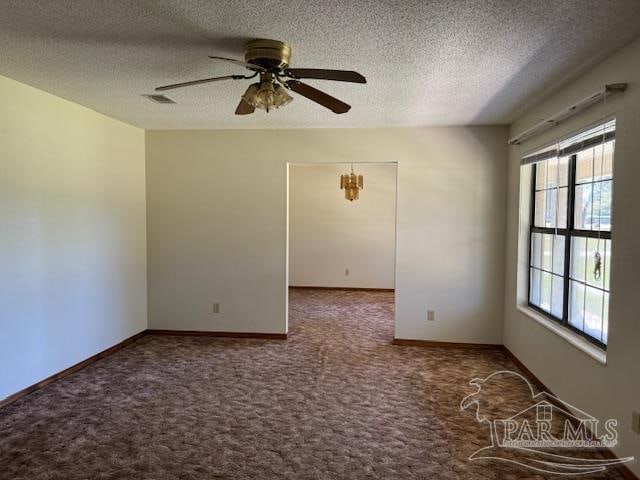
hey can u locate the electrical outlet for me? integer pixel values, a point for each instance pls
(431, 315)
(346, 272)
(216, 308)
(635, 422)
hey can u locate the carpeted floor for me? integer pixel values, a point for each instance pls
(334, 401)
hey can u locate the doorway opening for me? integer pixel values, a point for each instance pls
(341, 250)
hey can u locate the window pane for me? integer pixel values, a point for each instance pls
(545, 293)
(578, 257)
(540, 206)
(552, 172)
(562, 207)
(584, 166)
(547, 252)
(550, 209)
(607, 166)
(601, 203)
(603, 165)
(557, 300)
(605, 320)
(606, 264)
(564, 171)
(536, 250)
(546, 200)
(576, 304)
(534, 287)
(593, 206)
(583, 203)
(593, 312)
(541, 175)
(583, 261)
(558, 255)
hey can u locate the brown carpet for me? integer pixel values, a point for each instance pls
(335, 401)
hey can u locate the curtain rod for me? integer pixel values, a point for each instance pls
(568, 112)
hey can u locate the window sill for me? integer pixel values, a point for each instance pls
(576, 340)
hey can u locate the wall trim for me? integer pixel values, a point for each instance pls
(72, 369)
(366, 289)
(432, 343)
(197, 333)
(527, 373)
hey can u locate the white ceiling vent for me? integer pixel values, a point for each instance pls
(159, 98)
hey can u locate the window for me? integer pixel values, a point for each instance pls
(570, 232)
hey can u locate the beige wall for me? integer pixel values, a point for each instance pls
(607, 391)
(328, 234)
(73, 241)
(217, 225)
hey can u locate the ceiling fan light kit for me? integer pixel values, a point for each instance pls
(270, 59)
(266, 95)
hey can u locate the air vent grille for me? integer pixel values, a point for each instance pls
(159, 98)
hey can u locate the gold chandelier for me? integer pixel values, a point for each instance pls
(351, 184)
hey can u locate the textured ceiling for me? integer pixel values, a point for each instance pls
(427, 62)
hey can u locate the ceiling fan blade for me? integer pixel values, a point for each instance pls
(198, 82)
(250, 66)
(244, 108)
(321, 74)
(317, 96)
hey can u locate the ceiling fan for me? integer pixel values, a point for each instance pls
(270, 60)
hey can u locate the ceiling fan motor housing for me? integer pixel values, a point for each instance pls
(270, 54)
